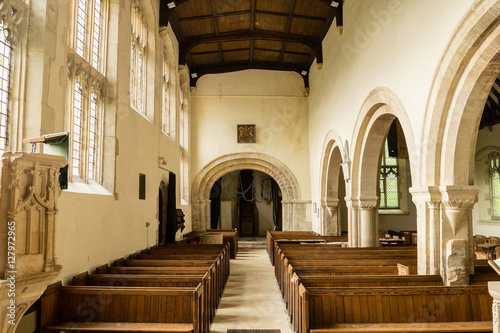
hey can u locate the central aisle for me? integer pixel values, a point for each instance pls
(252, 298)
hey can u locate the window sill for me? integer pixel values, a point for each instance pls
(493, 221)
(392, 212)
(169, 136)
(84, 188)
(142, 114)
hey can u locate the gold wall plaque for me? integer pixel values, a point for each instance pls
(246, 133)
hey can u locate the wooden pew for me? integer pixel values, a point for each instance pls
(228, 236)
(271, 235)
(350, 281)
(121, 309)
(396, 309)
(148, 281)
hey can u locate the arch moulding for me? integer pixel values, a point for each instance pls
(294, 209)
(377, 113)
(467, 70)
(331, 160)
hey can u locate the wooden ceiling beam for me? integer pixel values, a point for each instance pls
(189, 43)
(246, 49)
(166, 12)
(305, 17)
(253, 4)
(238, 66)
(287, 28)
(252, 12)
(218, 15)
(216, 27)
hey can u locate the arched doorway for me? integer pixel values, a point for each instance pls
(294, 209)
(167, 213)
(248, 200)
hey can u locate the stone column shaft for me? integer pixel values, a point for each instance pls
(330, 221)
(428, 204)
(353, 211)
(368, 221)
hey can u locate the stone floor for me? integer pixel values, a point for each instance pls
(251, 299)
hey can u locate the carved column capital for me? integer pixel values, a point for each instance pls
(332, 202)
(459, 196)
(98, 88)
(368, 202)
(459, 203)
(14, 15)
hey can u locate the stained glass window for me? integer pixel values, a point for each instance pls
(5, 53)
(389, 180)
(494, 164)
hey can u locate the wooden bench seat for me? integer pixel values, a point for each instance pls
(209, 299)
(351, 281)
(133, 280)
(228, 236)
(120, 327)
(70, 308)
(328, 307)
(482, 326)
(165, 263)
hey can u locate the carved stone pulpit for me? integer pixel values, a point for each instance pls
(29, 189)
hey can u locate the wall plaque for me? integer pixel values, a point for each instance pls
(246, 133)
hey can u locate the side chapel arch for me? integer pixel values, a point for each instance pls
(378, 112)
(294, 209)
(331, 161)
(446, 193)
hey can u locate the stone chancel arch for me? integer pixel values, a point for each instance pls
(294, 209)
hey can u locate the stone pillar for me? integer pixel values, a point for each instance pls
(494, 288)
(28, 210)
(205, 222)
(301, 220)
(353, 222)
(287, 216)
(368, 221)
(456, 220)
(427, 202)
(330, 220)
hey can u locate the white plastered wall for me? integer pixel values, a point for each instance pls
(396, 44)
(274, 101)
(483, 223)
(95, 224)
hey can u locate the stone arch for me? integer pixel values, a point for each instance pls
(459, 91)
(294, 211)
(378, 112)
(331, 161)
